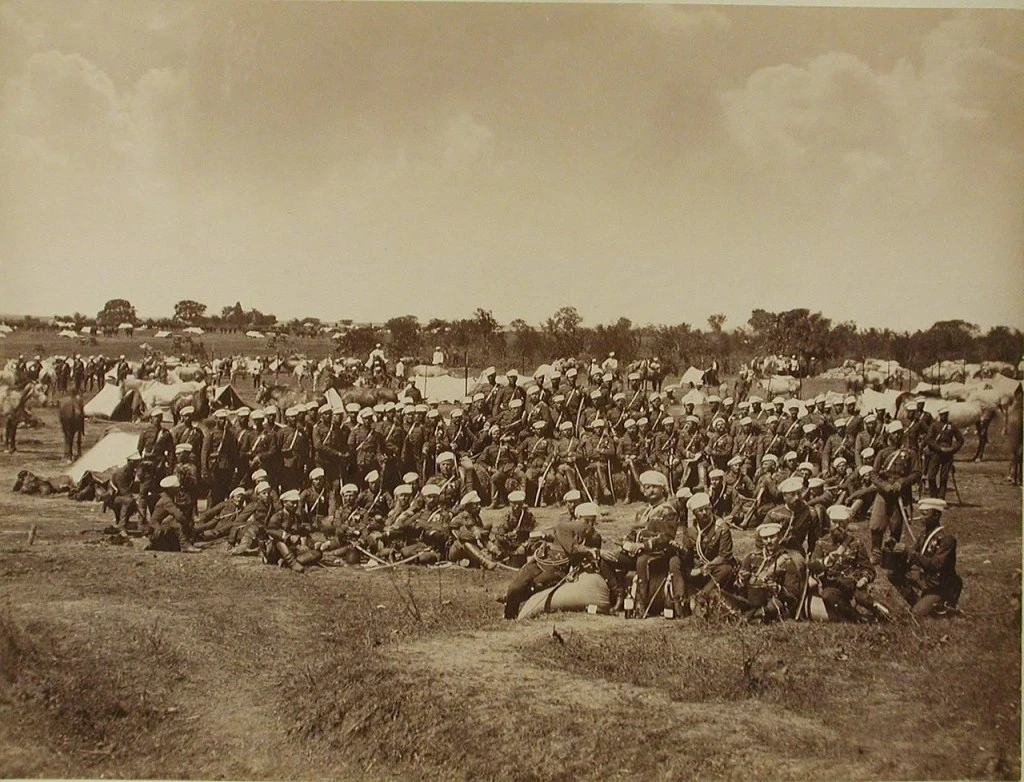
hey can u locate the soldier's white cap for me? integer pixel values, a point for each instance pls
(653, 478)
(291, 412)
(850, 400)
(642, 420)
(619, 397)
(654, 396)
(349, 488)
(238, 491)
(517, 496)
(770, 457)
(894, 426)
(187, 410)
(495, 429)
(467, 400)
(257, 415)
(805, 466)
(788, 455)
(565, 426)
(867, 453)
(692, 419)
(839, 461)
(815, 483)
(490, 372)
(838, 513)
(769, 530)
(352, 407)
(378, 408)
(311, 406)
(446, 456)
(920, 400)
(586, 510)
(698, 501)
(727, 401)
(456, 413)
(292, 495)
(772, 419)
(597, 423)
(943, 409)
(222, 413)
(430, 490)
(531, 390)
(932, 503)
(634, 376)
(403, 488)
(469, 498)
(743, 406)
(573, 495)
(735, 461)
(716, 473)
(170, 482)
(839, 423)
(571, 372)
(479, 397)
(422, 408)
(409, 477)
(683, 493)
(595, 394)
(262, 486)
(555, 375)
(630, 423)
(316, 472)
(870, 418)
(746, 420)
(259, 475)
(755, 400)
(242, 412)
(791, 484)
(270, 409)
(515, 403)
(864, 469)
(325, 409)
(183, 448)
(134, 456)
(778, 400)
(512, 373)
(808, 428)
(366, 412)
(714, 398)
(607, 377)
(557, 398)
(372, 476)
(538, 425)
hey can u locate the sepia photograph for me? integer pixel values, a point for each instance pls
(510, 391)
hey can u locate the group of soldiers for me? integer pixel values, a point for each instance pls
(404, 482)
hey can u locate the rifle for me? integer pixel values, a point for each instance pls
(543, 477)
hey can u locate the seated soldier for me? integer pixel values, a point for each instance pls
(841, 570)
(713, 563)
(774, 571)
(169, 527)
(509, 537)
(217, 522)
(926, 574)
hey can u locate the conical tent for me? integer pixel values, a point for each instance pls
(108, 454)
(226, 396)
(110, 403)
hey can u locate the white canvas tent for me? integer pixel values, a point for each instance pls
(110, 403)
(67, 334)
(692, 375)
(108, 454)
(163, 335)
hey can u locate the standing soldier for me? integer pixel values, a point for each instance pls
(896, 471)
(327, 445)
(156, 446)
(245, 435)
(187, 432)
(366, 445)
(943, 440)
(219, 459)
(294, 449)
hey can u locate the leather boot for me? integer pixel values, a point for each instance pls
(244, 546)
(184, 544)
(287, 558)
(876, 546)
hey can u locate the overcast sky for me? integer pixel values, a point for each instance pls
(366, 160)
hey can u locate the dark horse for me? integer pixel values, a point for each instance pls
(72, 423)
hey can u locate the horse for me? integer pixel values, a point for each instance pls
(72, 424)
(1016, 429)
(13, 404)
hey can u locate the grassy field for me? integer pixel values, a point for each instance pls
(122, 663)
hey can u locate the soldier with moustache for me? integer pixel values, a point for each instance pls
(537, 409)
(318, 500)
(870, 436)
(567, 455)
(536, 457)
(414, 446)
(943, 440)
(245, 434)
(598, 448)
(156, 446)
(186, 431)
(665, 452)
(693, 443)
(842, 570)
(448, 480)
(720, 444)
(631, 458)
(327, 445)
(366, 445)
(393, 432)
(774, 567)
(635, 403)
(926, 576)
(510, 391)
(710, 559)
(499, 458)
(266, 448)
(218, 521)
(838, 445)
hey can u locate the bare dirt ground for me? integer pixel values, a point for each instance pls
(119, 662)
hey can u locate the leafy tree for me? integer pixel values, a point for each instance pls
(1003, 344)
(115, 312)
(405, 334)
(189, 312)
(563, 330)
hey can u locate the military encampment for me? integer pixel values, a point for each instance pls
(510, 391)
